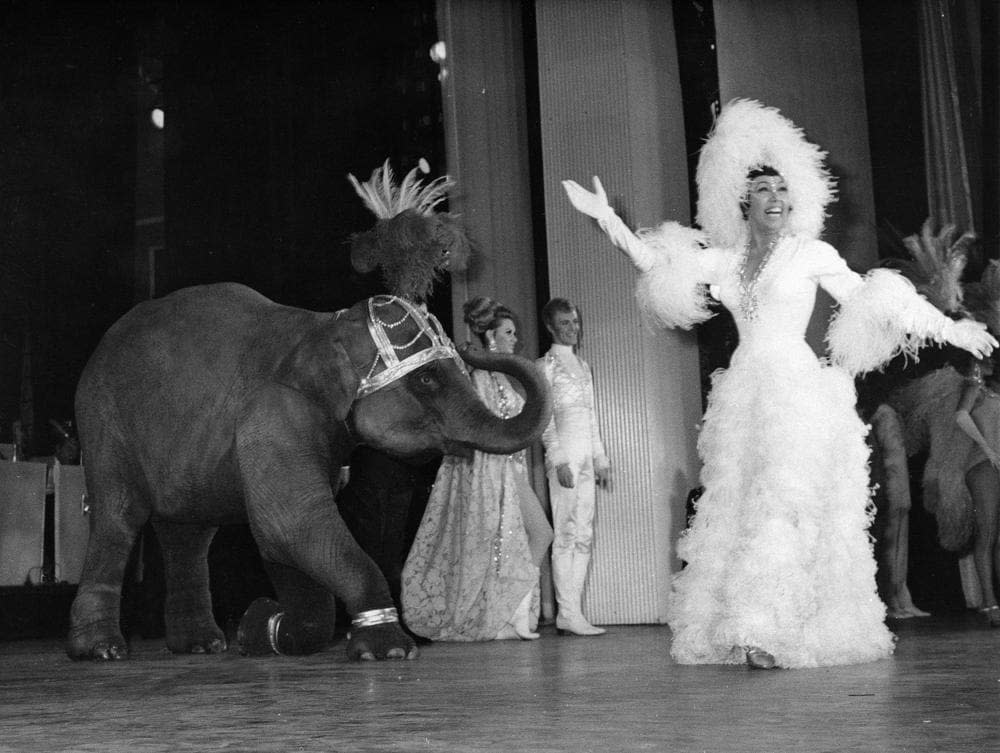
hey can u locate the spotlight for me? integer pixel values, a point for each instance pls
(156, 116)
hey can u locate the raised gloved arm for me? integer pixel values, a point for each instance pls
(674, 264)
(596, 205)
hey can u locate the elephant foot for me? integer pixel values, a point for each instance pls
(94, 631)
(194, 635)
(386, 641)
(98, 641)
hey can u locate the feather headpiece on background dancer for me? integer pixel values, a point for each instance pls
(936, 264)
(412, 244)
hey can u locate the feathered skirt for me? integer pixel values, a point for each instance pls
(778, 554)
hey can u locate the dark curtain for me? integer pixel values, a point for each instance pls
(951, 94)
(268, 111)
(67, 169)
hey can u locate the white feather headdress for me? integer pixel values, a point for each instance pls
(747, 135)
(385, 199)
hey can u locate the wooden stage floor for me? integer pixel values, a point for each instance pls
(618, 692)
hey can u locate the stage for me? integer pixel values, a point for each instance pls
(618, 692)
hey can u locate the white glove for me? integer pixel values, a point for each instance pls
(596, 205)
(970, 335)
(591, 204)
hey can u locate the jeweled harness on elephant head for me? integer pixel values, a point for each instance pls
(387, 367)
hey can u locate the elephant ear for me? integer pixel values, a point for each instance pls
(321, 368)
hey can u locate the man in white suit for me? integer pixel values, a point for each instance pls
(575, 462)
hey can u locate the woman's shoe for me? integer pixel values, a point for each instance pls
(522, 619)
(758, 658)
(992, 615)
(519, 624)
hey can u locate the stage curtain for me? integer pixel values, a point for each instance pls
(951, 113)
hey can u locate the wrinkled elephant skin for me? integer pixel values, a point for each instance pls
(215, 405)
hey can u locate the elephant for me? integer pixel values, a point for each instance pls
(216, 405)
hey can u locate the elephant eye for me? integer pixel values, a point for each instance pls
(426, 379)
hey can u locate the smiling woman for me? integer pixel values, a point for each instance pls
(780, 570)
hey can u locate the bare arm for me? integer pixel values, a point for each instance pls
(963, 417)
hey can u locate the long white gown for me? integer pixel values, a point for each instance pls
(778, 554)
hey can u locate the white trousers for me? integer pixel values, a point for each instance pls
(573, 510)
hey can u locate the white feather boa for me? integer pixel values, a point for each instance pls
(882, 319)
(671, 292)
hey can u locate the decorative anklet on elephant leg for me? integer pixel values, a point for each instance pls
(373, 617)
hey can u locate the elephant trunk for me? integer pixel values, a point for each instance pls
(505, 436)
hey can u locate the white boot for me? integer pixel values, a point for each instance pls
(569, 570)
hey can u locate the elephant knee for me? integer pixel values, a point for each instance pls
(266, 629)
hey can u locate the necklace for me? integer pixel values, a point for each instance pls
(503, 400)
(989, 392)
(748, 286)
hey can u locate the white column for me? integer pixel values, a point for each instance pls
(611, 106)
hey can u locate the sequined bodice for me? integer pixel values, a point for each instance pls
(570, 392)
(500, 397)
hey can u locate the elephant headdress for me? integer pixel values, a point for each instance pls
(411, 243)
(430, 343)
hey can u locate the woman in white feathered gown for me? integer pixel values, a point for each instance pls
(779, 565)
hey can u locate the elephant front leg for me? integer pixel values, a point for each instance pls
(375, 630)
(187, 611)
(303, 620)
(285, 454)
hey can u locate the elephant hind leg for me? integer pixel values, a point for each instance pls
(187, 610)
(95, 617)
(301, 622)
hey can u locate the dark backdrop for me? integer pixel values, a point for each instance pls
(267, 110)
(268, 107)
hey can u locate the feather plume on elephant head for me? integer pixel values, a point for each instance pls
(411, 243)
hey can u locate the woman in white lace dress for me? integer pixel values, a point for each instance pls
(779, 565)
(472, 572)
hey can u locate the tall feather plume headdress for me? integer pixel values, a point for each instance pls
(927, 402)
(748, 135)
(936, 264)
(412, 243)
(982, 298)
